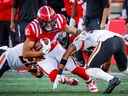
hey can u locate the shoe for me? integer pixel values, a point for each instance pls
(91, 85)
(112, 84)
(69, 81)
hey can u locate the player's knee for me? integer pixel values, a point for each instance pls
(53, 75)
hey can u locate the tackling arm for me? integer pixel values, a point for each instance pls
(72, 30)
(71, 49)
(27, 49)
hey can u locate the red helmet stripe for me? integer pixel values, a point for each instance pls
(46, 13)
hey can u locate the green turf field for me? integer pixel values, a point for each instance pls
(14, 84)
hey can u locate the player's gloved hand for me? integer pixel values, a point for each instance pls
(72, 22)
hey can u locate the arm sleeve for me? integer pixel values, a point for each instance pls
(29, 33)
(64, 24)
(61, 22)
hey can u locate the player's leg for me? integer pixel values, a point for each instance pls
(50, 67)
(81, 72)
(119, 54)
(101, 54)
(121, 60)
(107, 65)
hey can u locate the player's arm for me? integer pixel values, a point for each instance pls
(72, 30)
(78, 44)
(30, 43)
(27, 49)
(63, 26)
(71, 50)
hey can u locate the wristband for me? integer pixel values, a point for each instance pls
(63, 62)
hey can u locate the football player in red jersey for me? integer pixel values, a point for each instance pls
(46, 26)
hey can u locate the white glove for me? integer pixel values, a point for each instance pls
(72, 22)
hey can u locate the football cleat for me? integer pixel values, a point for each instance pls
(112, 84)
(92, 86)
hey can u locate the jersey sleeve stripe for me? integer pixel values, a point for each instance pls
(58, 22)
(61, 19)
(33, 29)
(36, 28)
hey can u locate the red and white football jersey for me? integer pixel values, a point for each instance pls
(34, 32)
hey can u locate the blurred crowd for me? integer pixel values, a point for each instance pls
(16, 14)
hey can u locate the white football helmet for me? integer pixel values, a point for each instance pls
(46, 45)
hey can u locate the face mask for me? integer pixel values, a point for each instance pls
(48, 26)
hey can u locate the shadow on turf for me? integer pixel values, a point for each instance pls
(47, 92)
(122, 92)
(118, 93)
